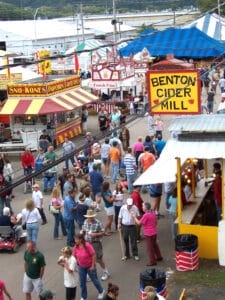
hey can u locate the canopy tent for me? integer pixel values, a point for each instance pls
(211, 24)
(165, 168)
(90, 45)
(187, 42)
(39, 106)
(26, 73)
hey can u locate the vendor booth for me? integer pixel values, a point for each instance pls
(54, 104)
(197, 143)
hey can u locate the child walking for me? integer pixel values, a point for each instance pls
(69, 263)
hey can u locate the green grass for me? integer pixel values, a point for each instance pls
(209, 274)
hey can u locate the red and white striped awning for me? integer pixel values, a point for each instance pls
(38, 106)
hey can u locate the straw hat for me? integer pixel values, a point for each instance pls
(90, 214)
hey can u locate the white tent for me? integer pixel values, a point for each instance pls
(211, 24)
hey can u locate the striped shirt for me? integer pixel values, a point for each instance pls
(130, 164)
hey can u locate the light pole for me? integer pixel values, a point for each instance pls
(35, 29)
(219, 20)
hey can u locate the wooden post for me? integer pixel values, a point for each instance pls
(179, 196)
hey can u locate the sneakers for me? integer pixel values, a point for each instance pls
(105, 275)
(136, 258)
(101, 295)
(88, 278)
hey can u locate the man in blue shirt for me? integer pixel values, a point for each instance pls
(159, 144)
(96, 180)
(69, 216)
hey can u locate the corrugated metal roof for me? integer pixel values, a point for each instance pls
(165, 168)
(199, 123)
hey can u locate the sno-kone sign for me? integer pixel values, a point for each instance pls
(174, 91)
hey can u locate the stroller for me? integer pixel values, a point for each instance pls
(122, 170)
(9, 240)
(28, 183)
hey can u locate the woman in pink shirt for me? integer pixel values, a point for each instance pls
(85, 255)
(149, 222)
(138, 148)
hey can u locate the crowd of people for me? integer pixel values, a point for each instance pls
(89, 180)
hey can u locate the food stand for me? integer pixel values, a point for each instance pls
(53, 104)
(193, 138)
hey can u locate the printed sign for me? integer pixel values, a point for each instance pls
(43, 89)
(174, 91)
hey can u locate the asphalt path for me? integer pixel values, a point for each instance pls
(125, 274)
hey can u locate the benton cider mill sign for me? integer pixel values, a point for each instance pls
(174, 91)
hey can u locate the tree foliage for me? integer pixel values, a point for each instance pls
(25, 9)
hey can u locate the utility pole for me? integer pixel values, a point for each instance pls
(114, 21)
(82, 22)
(219, 20)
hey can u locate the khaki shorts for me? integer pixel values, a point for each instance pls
(98, 250)
(30, 284)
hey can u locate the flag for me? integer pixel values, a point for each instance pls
(76, 63)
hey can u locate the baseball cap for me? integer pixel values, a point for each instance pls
(129, 201)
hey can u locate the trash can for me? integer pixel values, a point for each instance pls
(155, 278)
(186, 247)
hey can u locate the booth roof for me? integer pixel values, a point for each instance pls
(187, 42)
(165, 168)
(38, 106)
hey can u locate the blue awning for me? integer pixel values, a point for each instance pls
(188, 42)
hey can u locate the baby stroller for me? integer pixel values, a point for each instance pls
(122, 170)
(9, 240)
(81, 167)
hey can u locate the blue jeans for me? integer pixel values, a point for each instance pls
(67, 162)
(5, 202)
(32, 231)
(47, 180)
(130, 180)
(115, 171)
(70, 227)
(83, 277)
(59, 219)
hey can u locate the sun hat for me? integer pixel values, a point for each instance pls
(46, 293)
(129, 201)
(90, 214)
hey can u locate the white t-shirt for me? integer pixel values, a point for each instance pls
(70, 279)
(37, 196)
(119, 197)
(105, 150)
(32, 216)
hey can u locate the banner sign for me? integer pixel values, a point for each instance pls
(174, 91)
(14, 77)
(43, 89)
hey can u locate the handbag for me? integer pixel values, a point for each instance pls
(24, 225)
(53, 210)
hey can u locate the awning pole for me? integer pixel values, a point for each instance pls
(206, 168)
(193, 179)
(179, 197)
(223, 202)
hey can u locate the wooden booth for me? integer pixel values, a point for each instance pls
(196, 144)
(53, 104)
